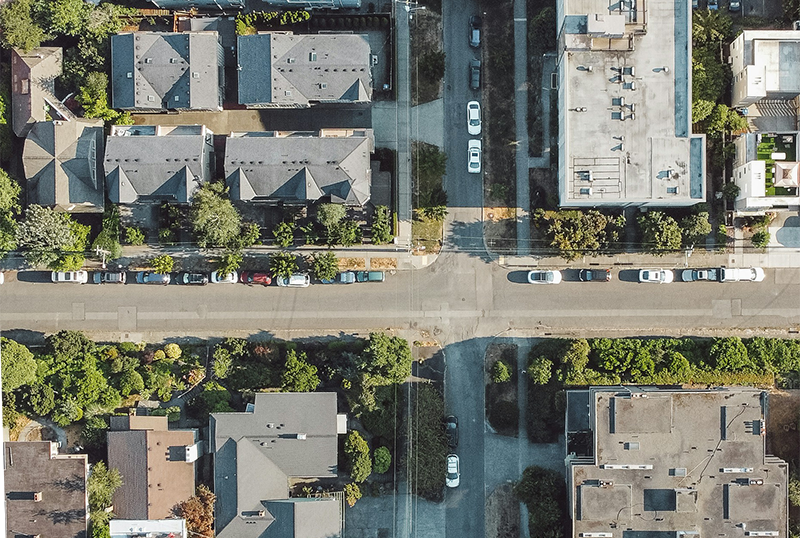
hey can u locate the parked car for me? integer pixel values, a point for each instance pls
(695, 4)
(297, 280)
(595, 275)
(219, 278)
(249, 277)
(451, 431)
(2, 277)
(474, 73)
(148, 277)
(474, 118)
(370, 276)
(691, 275)
(656, 276)
(76, 277)
(191, 279)
(475, 31)
(453, 478)
(713, 5)
(474, 157)
(735, 5)
(750, 274)
(347, 277)
(544, 277)
(108, 277)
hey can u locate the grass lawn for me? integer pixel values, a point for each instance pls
(427, 233)
(785, 144)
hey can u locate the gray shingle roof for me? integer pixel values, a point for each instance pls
(63, 165)
(200, 4)
(32, 88)
(168, 167)
(157, 71)
(255, 454)
(299, 167)
(282, 69)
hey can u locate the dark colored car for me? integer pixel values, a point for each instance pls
(370, 276)
(595, 275)
(191, 279)
(108, 277)
(249, 277)
(474, 74)
(451, 431)
(148, 277)
(475, 31)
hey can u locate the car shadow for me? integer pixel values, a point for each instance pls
(34, 276)
(518, 277)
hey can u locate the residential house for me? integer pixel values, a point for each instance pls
(156, 163)
(280, 69)
(765, 77)
(256, 454)
(33, 76)
(150, 528)
(45, 491)
(647, 462)
(63, 164)
(157, 465)
(624, 105)
(203, 5)
(153, 71)
(300, 166)
(315, 4)
(766, 169)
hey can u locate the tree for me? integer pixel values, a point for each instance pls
(163, 264)
(251, 234)
(229, 262)
(730, 354)
(544, 493)
(357, 451)
(41, 399)
(9, 193)
(760, 239)
(19, 29)
(66, 17)
(381, 227)
(387, 359)
(101, 485)
(352, 493)
(94, 431)
(730, 191)
(500, 372)
(435, 212)
(213, 399)
(66, 412)
(134, 236)
(695, 227)
(794, 490)
(383, 459)
(298, 375)
(701, 109)
(198, 511)
(660, 233)
(44, 234)
(215, 221)
(329, 215)
(93, 97)
(131, 382)
(282, 264)
(108, 242)
(324, 265)
(540, 370)
(18, 365)
(284, 234)
(347, 233)
(575, 233)
(710, 26)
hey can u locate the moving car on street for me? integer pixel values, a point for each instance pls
(453, 478)
(108, 277)
(297, 280)
(656, 276)
(474, 118)
(544, 277)
(148, 277)
(474, 157)
(75, 277)
(595, 275)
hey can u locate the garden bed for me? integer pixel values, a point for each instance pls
(502, 410)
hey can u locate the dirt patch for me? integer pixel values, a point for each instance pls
(502, 513)
(500, 228)
(783, 437)
(427, 235)
(383, 263)
(352, 264)
(502, 410)
(544, 188)
(16, 429)
(73, 432)
(426, 38)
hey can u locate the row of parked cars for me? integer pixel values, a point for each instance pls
(656, 276)
(297, 280)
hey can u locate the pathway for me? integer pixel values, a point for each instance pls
(521, 114)
(403, 85)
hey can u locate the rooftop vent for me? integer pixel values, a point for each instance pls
(301, 436)
(129, 74)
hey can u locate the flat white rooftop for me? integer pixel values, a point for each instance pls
(625, 105)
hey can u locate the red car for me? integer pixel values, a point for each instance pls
(249, 277)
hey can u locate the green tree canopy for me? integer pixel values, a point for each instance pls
(329, 215)
(163, 264)
(695, 227)
(730, 354)
(383, 459)
(284, 234)
(540, 370)
(19, 28)
(45, 234)
(357, 451)
(283, 264)
(701, 109)
(215, 221)
(387, 359)
(66, 17)
(101, 485)
(660, 233)
(298, 375)
(324, 265)
(18, 364)
(9, 193)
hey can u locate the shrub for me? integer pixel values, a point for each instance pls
(283, 264)
(761, 239)
(352, 493)
(298, 375)
(794, 490)
(284, 234)
(134, 236)
(383, 459)
(381, 227)
(357, 451)
(163, 264)
(501, 372)
(324, 265)
(504, 415)
(545, 494)
(166, 237)
(540, 370)
(730, 191)
(172, 351)
(229, 262)
(159, 355)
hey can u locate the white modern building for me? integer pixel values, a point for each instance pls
(765, 66)
(767, 171)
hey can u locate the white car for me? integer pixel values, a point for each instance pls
(656, 276)
(474, 162)
(750, 274)
(474, 118)
(230, 278)
(544, 277)
(77, 277)
(297, 280)
(453, 478)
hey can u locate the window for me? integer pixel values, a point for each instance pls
(672, 190)
(177, 98)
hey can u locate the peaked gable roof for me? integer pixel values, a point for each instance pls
(33, 76)
(299, 167)
(62, 163)
(280, 68)
(170, 70)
